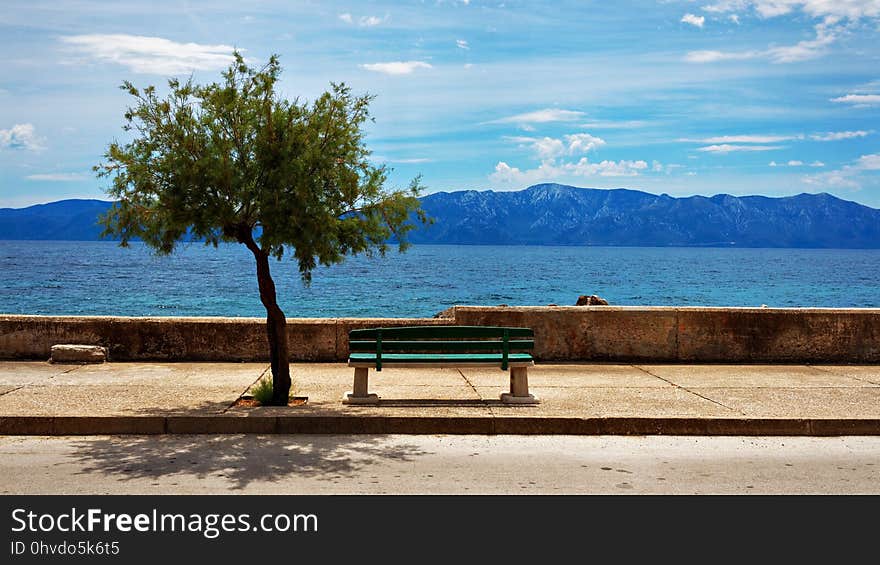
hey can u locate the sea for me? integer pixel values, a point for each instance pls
(101, 278)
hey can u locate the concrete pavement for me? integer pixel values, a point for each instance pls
(430, 464)
(38, 398)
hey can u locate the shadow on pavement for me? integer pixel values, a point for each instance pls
(237, 459)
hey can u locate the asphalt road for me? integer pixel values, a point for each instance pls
(322, 464)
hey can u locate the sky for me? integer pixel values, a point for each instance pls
(771, 97)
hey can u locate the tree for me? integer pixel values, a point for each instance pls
(235, 162)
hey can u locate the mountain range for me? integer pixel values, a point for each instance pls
(555, 214)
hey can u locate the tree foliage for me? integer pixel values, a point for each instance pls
(234, 161)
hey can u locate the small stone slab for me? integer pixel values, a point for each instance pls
(78, 354)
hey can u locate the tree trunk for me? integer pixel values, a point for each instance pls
(276, 324)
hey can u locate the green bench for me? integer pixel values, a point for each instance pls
(441, 346)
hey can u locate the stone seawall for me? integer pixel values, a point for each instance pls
(686, 334)
(183, 339)
(562, 333)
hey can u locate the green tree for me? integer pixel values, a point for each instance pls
(235, 162)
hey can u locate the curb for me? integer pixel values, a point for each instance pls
(224, 424)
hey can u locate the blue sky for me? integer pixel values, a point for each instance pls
(772, 97)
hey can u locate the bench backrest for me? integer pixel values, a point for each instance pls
(441, 339)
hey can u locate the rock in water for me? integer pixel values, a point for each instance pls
(448, 313)
(591, 300)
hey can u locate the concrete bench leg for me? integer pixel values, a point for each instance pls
(519, 388)
(360, 395)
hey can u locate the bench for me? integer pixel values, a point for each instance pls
(441, 346)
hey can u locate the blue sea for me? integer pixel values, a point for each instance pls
(100, 278)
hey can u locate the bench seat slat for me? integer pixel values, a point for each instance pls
(440, 332)
(391, 358)
(390, 346)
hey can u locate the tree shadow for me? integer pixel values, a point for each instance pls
(239, 459)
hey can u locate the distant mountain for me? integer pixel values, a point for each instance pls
(66, 219)
(554, 214)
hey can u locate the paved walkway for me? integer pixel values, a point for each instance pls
(38, 398)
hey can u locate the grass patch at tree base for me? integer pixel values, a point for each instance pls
(254, 403)
(260, 394)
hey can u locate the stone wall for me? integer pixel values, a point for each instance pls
(179, 339)
(675, 334)
(562, 333)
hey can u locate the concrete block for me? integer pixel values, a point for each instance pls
(25, 425)
(221, 424)
(774, 335)
(547, 426)
(844, 427)
(311, 339)
(72, 353)
(99, 425)
(481, 425)
(569, 333)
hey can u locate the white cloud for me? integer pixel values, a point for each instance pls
(693, 20)
(734, 18)
(20, 136)
(462, 44)
(550, 170)
(553, 153)
(848, 176)
(852, 9)
(744, 139)
(727, 148)
(151, 55)
(364, 21)
(833, 179)
(772, 164)
(869, 162)
(505, 174)
(396, 67)
(722, 6)
(827, 32)
(858, 99)
(582, 143)
(795, 163)
(611, 124)
(548, 148)
(413, 160)
(541, 116)
(838, 135)
(817, 164)
(709, 56)
(551, 148)
(764, 138)
(372, 21)
(58, 177)
(408, 161)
